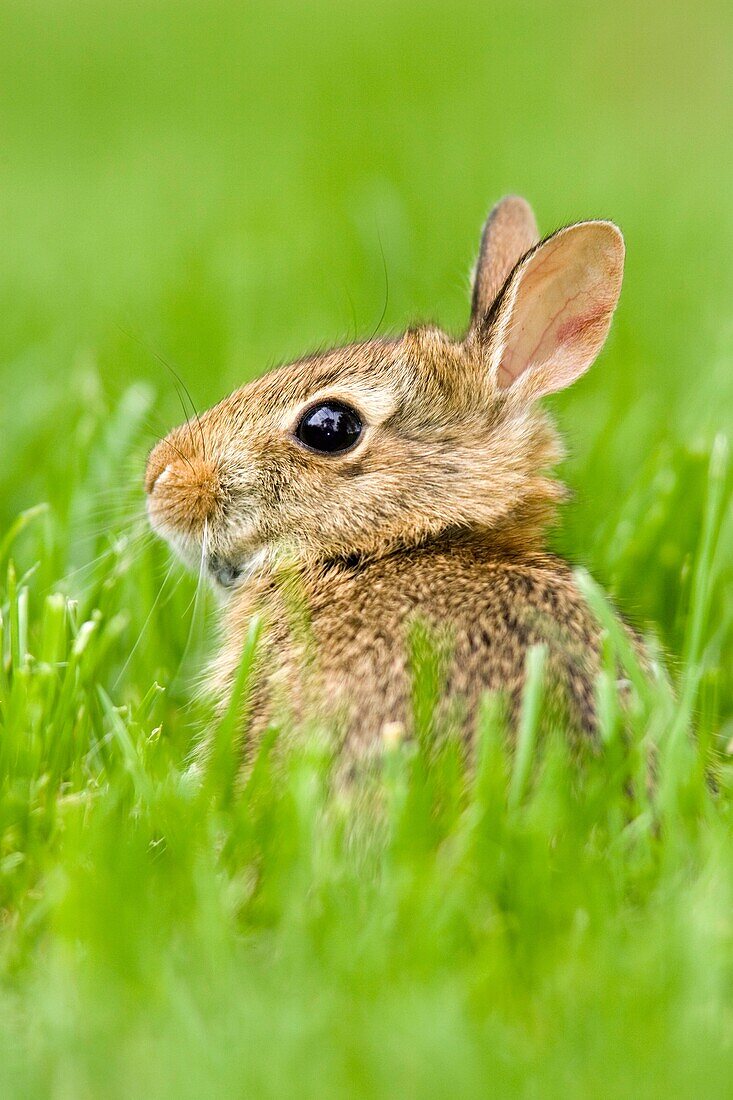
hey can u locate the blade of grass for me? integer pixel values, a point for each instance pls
(528, 725)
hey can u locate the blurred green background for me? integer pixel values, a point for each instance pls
(225, 185)
(220, 180)
(228, 185)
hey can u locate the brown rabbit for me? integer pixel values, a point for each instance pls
(351, 494)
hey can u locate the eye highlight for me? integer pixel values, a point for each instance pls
(329, 427)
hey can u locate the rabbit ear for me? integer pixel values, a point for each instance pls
(510, 231)
(555, 312)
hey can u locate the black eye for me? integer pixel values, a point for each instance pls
(329, 427)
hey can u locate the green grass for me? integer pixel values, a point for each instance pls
(223, 184)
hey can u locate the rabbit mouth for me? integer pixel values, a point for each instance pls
(229, 573)
(225, 572)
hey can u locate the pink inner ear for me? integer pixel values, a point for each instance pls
(562, 307)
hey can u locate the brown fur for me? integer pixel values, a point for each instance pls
(437, 515)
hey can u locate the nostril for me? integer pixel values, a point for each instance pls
(159, 468)
(164, 474)
(158, 463)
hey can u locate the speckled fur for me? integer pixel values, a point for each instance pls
(485, 601)
(437, 516)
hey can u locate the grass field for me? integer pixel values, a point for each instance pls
(225, 185)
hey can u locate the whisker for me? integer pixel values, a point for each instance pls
(115, 512)
(162, 359)
(103, 521)
(196, 617)
(186, 416)
(202, 566)
(156, 430)
(124, 528)
(137, 544)
(179, 452)
(112, 490)
(124, 495)
(193, 407)
(144, 627)
(386, 287)
(176, 379)
(349, 336)
(118, 544)
(100, 527)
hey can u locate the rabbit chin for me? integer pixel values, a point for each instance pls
(230, 572)
(228, 569)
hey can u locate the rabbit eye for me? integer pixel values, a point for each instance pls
(329, 427)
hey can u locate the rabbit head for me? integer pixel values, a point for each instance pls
(388, 443)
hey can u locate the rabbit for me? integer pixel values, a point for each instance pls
(354, 494)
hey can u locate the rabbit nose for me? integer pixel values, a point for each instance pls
(183, 490)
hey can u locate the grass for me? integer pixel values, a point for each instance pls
(223, 185)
